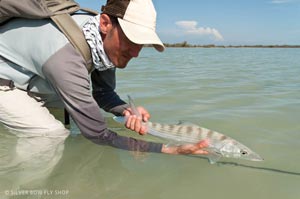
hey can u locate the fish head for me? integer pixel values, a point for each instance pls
(234, 149)
(248, 154)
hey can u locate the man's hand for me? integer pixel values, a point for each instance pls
(192, 149)
(134, 122)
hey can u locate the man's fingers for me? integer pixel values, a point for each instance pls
(144, 113)
(128, 122)
(200, 152)
(196, 149)
(127, 112)
(134, 123)
(203, 144)
(144, 130)
(137, 125)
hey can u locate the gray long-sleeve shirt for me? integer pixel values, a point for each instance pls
(51, 67)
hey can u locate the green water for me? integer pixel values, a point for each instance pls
(252, 95)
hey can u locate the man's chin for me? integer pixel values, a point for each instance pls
(121, 65)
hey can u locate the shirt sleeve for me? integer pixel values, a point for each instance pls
(66, 72)
(104, 84)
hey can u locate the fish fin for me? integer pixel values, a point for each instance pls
(133, 107)
(186, 123)
(181, 122)
(213, 158)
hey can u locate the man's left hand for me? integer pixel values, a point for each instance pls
(134, 122)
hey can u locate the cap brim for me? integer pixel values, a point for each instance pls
(141, 35)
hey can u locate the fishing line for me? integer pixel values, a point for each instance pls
(250, 167)
(260, 168)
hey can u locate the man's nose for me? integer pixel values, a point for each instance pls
(135, 49)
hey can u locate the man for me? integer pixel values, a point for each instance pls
(44, 69)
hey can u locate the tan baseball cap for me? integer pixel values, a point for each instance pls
(137, 19)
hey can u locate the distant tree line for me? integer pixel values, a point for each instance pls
(185, 44)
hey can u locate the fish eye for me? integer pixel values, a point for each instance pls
(243, 152)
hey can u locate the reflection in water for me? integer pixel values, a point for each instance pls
(100, 171)
(28, 159)
(90, 169)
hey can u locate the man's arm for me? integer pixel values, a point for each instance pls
(66, 72)
(104, 84)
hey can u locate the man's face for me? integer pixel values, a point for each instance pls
(117, 46)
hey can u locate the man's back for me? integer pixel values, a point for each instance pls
(30, 43)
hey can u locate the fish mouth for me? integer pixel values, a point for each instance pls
(256, 157)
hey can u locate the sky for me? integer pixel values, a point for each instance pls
(225, 22)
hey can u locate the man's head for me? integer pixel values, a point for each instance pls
(126, 25)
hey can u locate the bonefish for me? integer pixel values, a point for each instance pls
(220, 145)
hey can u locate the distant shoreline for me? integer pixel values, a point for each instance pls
(231, 46)
(186, 45)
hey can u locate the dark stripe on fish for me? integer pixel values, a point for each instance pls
(180, 129)
(210, 134)
(189, 130)
(200, 132)
(171, 127)
(223, 137)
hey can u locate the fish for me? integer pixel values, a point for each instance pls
(219, 145)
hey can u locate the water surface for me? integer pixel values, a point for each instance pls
(249, 94)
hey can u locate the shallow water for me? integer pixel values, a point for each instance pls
(250, 94)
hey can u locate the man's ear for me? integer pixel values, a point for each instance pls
(105, 23)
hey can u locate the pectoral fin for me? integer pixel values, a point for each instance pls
(213, 157)
(133, 107)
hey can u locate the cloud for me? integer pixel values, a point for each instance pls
(190, 27)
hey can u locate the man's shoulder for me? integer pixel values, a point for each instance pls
(81, 18)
